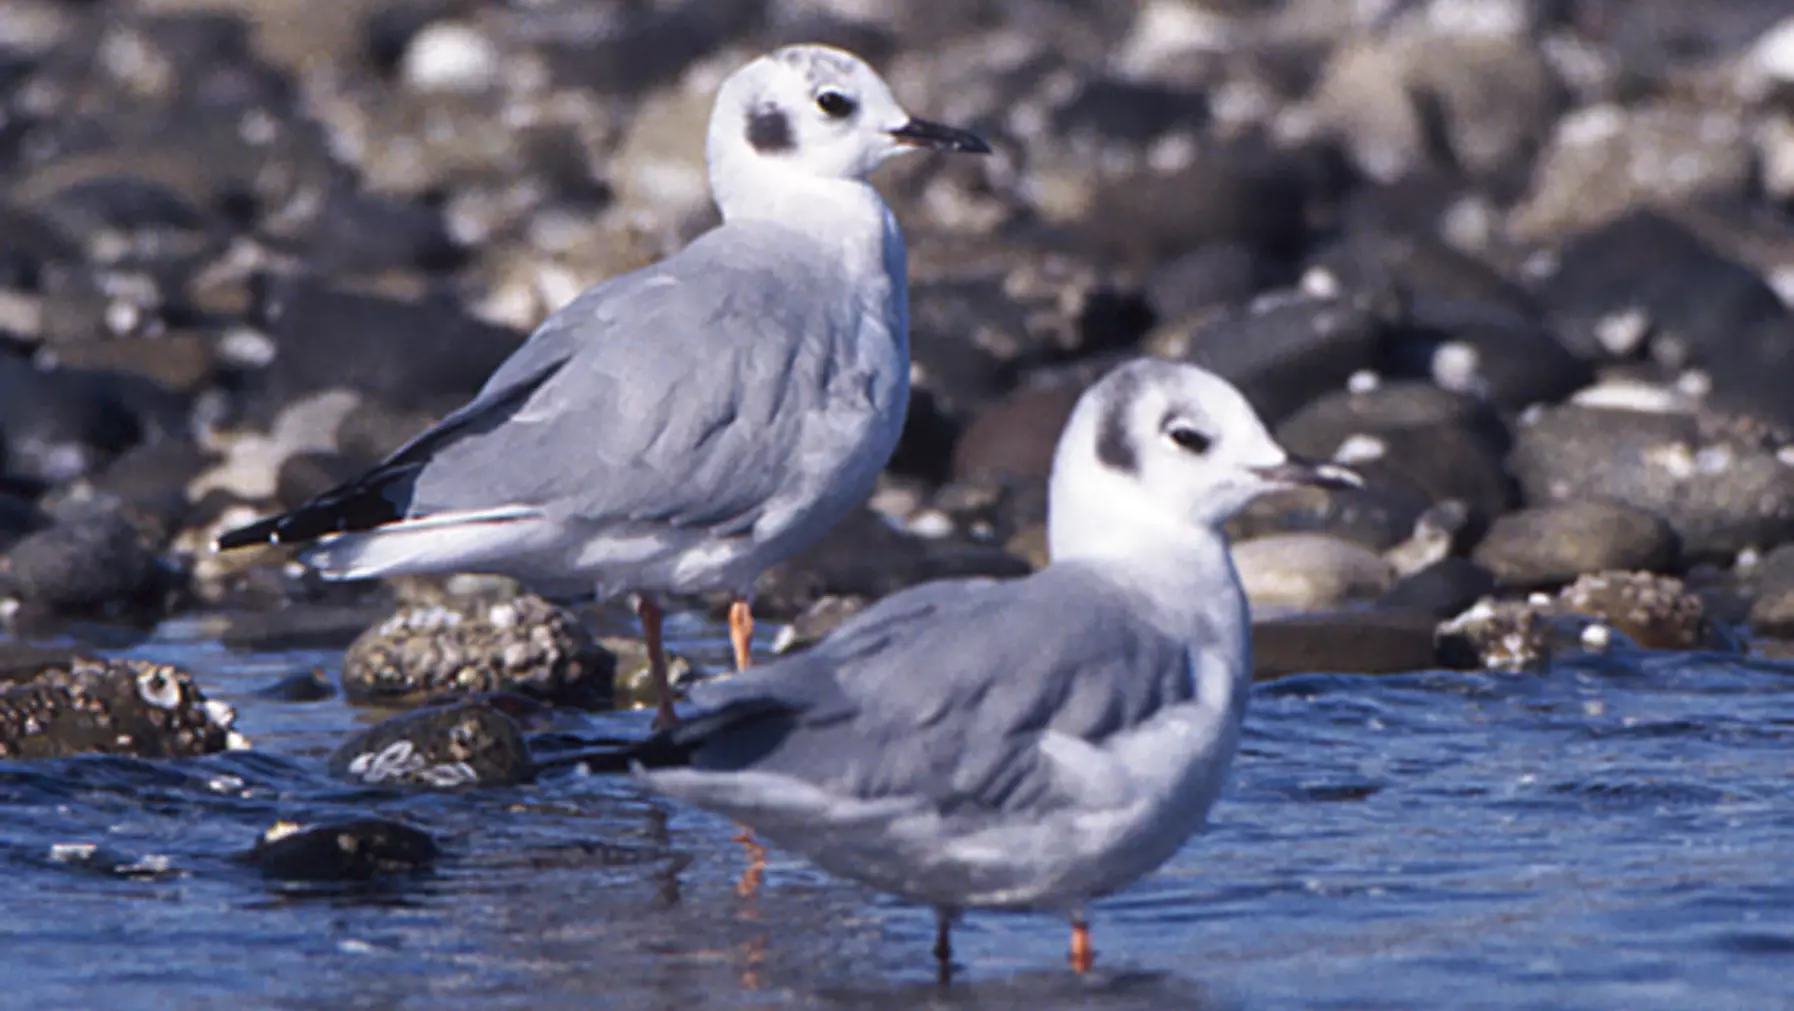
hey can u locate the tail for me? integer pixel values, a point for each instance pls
(363, 504)
(676, 747)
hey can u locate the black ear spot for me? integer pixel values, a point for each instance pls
(1114, 447)
(769, 131)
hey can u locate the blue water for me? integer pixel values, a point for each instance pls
(1613, 834)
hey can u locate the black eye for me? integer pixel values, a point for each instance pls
(835, 104)
(1189, 440)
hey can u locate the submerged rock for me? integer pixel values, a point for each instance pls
(468, 743)
(358, 850)
(518, 643)
(120, 707)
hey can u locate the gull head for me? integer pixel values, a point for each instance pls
(1157, 446)
(817, 111)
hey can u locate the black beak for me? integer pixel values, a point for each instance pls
(934, 136)
(1297, 471)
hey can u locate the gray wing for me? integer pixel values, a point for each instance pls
(678, 394)
(946, 691)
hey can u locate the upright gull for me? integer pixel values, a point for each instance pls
(681, 428)
(1030, 744)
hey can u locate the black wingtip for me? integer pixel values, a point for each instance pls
(260, 532)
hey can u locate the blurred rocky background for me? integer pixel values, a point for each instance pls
(1526, 263)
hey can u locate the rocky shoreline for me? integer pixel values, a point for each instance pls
(1527, 265)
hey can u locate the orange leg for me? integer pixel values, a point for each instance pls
(741, 632)
(749, 884)
(1083, 957)
(651, 615)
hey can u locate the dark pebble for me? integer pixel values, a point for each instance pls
(299, 686)
(444, 747)
(408, 354)
(359, 850)
(92, 558)
(1286, 352)
(1690, 301)
(1443, 589)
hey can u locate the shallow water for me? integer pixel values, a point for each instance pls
(1616, 834)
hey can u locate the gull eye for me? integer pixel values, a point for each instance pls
(1188, 439)
(835, 104)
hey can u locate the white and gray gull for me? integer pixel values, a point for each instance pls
(679, 429)
(1031, 744)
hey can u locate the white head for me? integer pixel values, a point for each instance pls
(1158, 450)
(816, 112)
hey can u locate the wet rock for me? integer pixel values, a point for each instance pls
(445, 747)
(1309, 572)
(516, 643)
(1516, 635)
(1772, 609)
(1723, 484)
(1552, 545)
(1372, 642)
(1286, 351)
(1595, 614)
(1656, 612)
(121, 707)
(299, 686)
(361, 849)
(94, 557)
(1443, 589)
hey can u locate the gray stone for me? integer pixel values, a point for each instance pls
(1553, 544)
(1308, 572)
(1722, 484)
(1772, 610)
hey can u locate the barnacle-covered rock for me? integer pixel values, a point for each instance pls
(518, 643)
(469, 743)
(122, 707)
